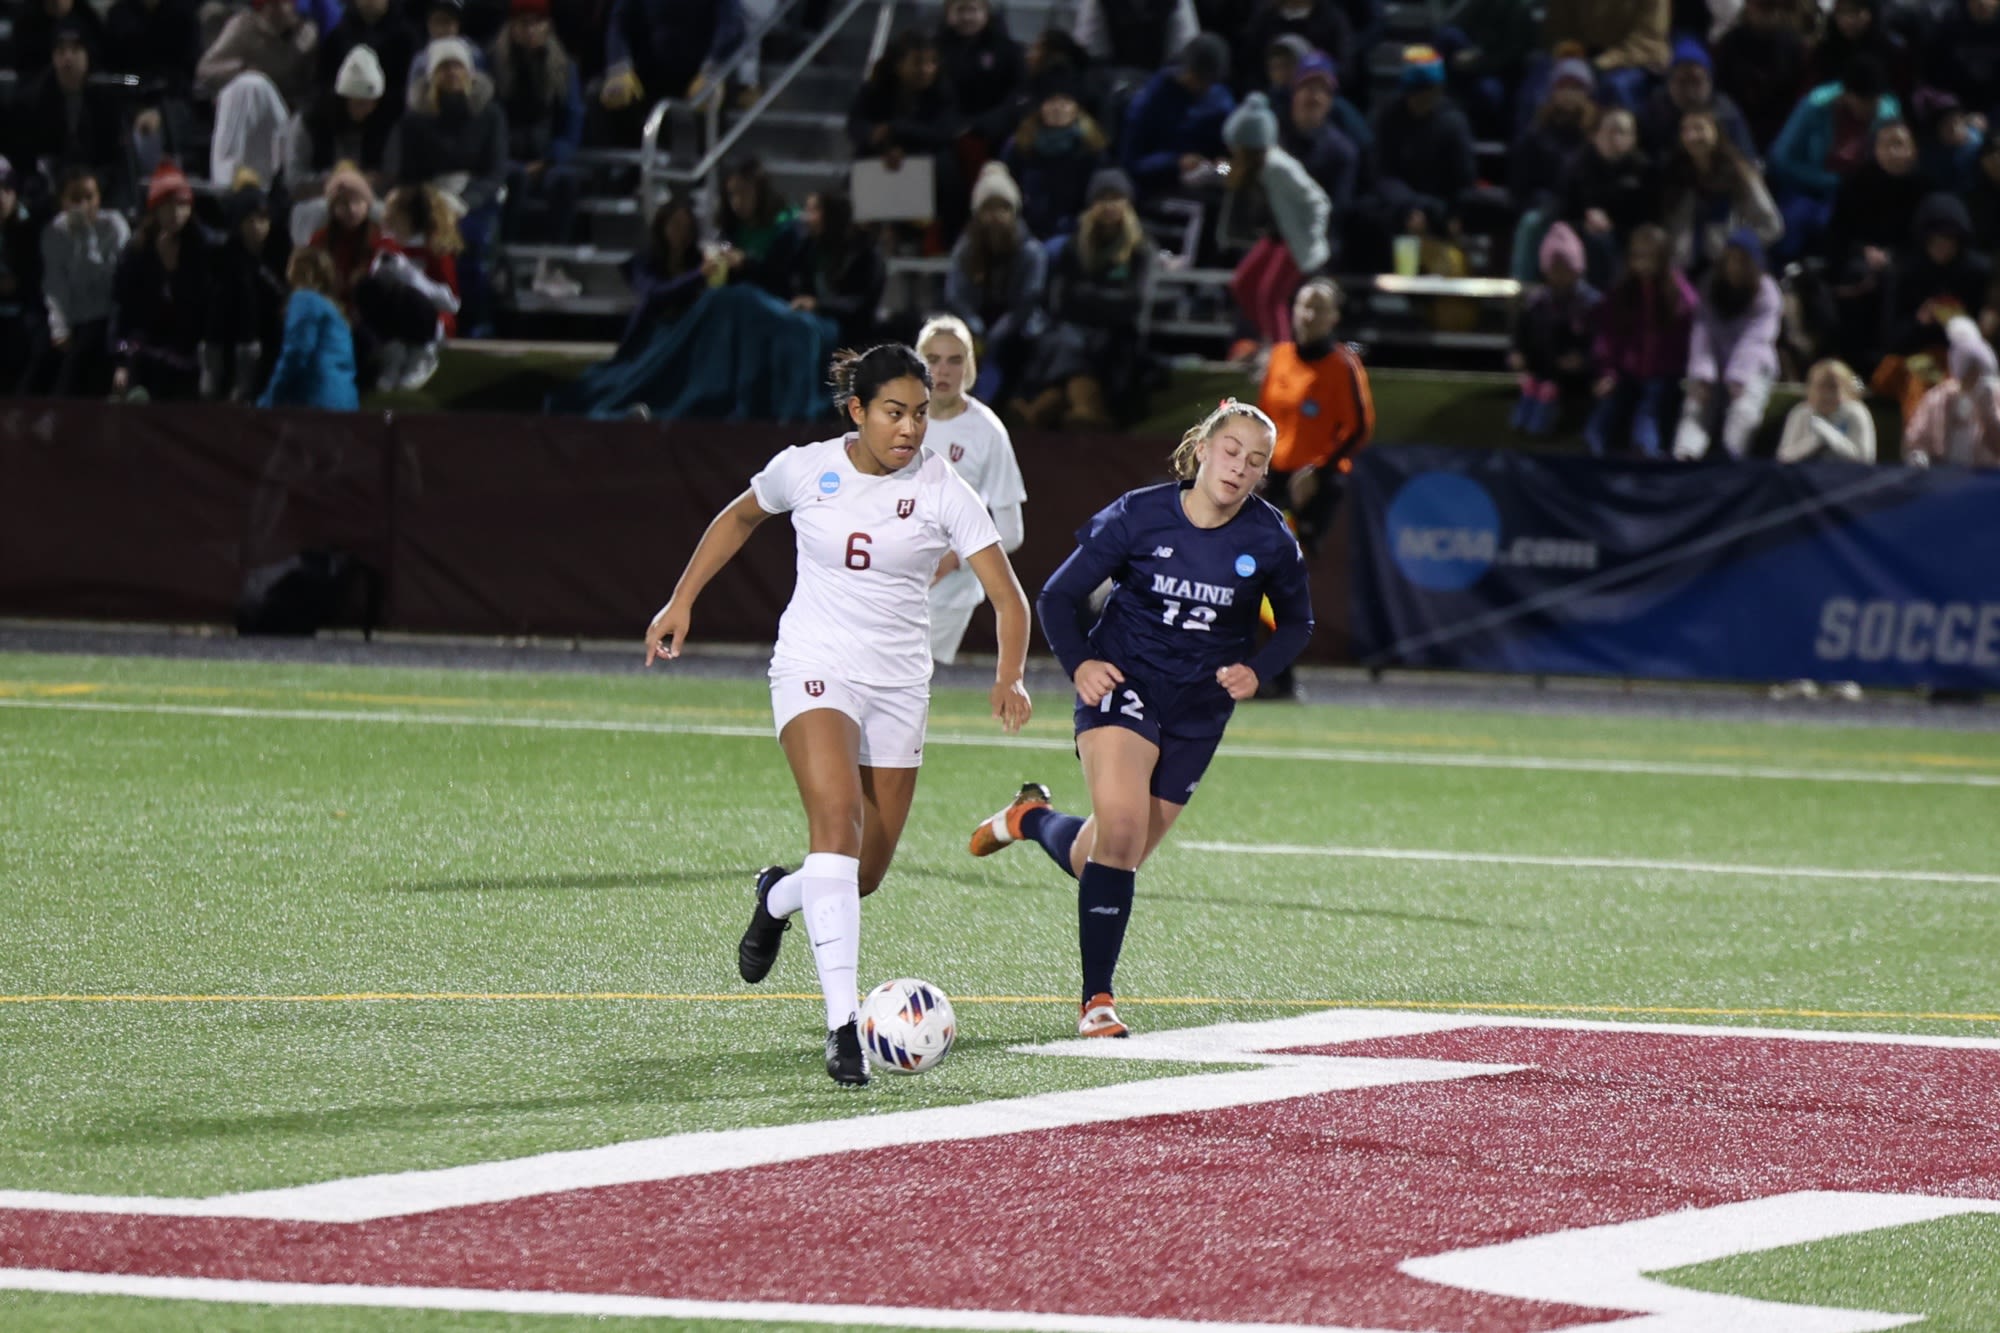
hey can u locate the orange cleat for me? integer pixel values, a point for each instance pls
(1100, 1019)
(1005, 827)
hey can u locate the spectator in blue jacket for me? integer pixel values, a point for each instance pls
(316, 361)
(536, 84)
(1173, 126)
(1422, 160)
(1830, 134)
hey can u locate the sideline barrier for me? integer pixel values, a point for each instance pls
(1490, 561)
(477, 524)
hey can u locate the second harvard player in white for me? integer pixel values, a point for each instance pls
(873, 512)
(972, 437)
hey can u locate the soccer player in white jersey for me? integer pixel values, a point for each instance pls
(872, 512)
(969, 434)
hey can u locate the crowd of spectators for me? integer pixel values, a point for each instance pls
(1708, 194)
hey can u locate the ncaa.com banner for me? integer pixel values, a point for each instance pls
(1495, 561)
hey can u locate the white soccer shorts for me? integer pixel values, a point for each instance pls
(892, 718)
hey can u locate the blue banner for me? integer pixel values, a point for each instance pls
(1751, 571)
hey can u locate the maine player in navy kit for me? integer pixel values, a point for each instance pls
(873, 512)
(1159, 674)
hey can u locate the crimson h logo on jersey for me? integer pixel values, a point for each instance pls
(905, 508)
(815, 688)
(957, 453)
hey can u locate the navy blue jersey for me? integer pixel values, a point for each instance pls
(1185, 599)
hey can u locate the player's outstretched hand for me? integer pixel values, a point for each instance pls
(1011, 705)
(1239, 680)
(664, 635)
(1094, 680)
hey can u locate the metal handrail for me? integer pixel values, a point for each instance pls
(651, 173)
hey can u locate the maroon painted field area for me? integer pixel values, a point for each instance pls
(1294, 1212)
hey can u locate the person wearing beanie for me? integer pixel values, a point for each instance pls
(1552, 335)
(350, 123)
(247, 297)
(996, 281)
(1958, 420)
(159, 304)
(1940, 274)
(1139, 34)
(1276, 215)
(269, 39)
(455, 137)
(1732, 352)
(1172, 135)
(1054, 155)
(385, 28)
(1542, 154)
(536, 81)
(1307, 130)
(1422, 161)
(62, 116)
(1084, 371)
(1299, 27)
(1688, 87)
(1280, 64)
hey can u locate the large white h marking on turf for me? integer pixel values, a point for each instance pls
(1598, 1267)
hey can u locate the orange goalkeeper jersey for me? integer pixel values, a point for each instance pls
(1322, 408)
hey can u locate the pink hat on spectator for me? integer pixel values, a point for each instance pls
(1560, 242)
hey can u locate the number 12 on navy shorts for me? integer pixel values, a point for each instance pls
(1183, 723)
(891, 717)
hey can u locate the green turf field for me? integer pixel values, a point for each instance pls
(269, 925)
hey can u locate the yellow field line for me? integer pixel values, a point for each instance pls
(1159, 1001)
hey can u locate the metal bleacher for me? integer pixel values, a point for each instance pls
(797, 128)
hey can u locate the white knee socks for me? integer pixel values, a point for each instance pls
(830, 898)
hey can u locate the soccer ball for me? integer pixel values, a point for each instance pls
(907, 1026)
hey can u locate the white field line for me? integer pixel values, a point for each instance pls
(1606, 1267)
(604, 1306)
(1304, 754)
(1586, 862)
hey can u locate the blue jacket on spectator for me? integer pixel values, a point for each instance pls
(316, 363)
(1798, 156)
(1164, 121)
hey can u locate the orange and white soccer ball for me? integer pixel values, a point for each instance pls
(907, 1026)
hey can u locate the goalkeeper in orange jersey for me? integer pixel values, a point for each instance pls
(1316, 391)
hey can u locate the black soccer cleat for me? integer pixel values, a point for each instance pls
(758, 948)
(844, 1060)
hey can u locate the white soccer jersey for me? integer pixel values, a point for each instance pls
(978, 446)
(868, 549)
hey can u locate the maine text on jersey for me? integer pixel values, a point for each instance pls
(1188, 590)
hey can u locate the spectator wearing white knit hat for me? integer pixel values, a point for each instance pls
(998, 276)
(349, 124)
(455, 138)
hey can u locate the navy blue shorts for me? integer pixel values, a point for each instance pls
(1185, 721)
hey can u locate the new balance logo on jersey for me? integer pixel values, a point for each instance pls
(815, 688)
(1187, 590)
(958, 453)
(1163, 553)
(905, 508)
(1106, 911)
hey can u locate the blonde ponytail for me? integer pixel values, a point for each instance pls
(1184, 464)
